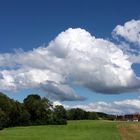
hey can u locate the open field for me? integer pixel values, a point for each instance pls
(75, 130)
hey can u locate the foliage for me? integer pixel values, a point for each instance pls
(34, 111)
(105, 116)
(60, 115)
(39, 111)
(79, 114)
(2, 119)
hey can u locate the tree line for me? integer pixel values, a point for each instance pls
(33, 111)
(38, 111)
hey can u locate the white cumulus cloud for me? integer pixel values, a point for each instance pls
(127, 106)
(74, 57)
(130, 31)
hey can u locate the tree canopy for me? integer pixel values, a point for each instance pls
(40, 111)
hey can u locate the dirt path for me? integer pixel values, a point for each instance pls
(129, 131)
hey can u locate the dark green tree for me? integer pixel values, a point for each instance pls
(93, 116)
(6, 105)
(39, 109)
(76, 114)
(2, 119)
(60, 115)
(19, 115)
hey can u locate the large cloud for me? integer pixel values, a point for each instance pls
(74, 57)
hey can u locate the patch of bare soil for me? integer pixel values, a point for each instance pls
(128, 131)
(135, 127)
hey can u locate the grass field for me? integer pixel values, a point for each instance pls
(75, 130)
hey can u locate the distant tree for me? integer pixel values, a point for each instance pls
(6, 105)
(76, 114)
(105, 116)
(93, 116)
(2, 119)
(32, 105)
(19, 115)
(60, 115)
(34, 110)
(79, 114)
(24, 118)
(38, 108)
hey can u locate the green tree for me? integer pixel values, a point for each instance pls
(76, 114)
(93, 116)
(2, 119)
(19, 115)
(34, 110)
(38, 108)
(60, 115)
(7, 107)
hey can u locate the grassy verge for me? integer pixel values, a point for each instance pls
(129, 131)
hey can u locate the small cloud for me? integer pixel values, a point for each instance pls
(130, 31)
(117, 107)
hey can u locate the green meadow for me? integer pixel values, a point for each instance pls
(75, 130)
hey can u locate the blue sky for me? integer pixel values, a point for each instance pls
(30, 24)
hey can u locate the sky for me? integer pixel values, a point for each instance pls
(78, 53)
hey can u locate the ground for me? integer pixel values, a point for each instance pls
(129, 131)
(75, 130)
